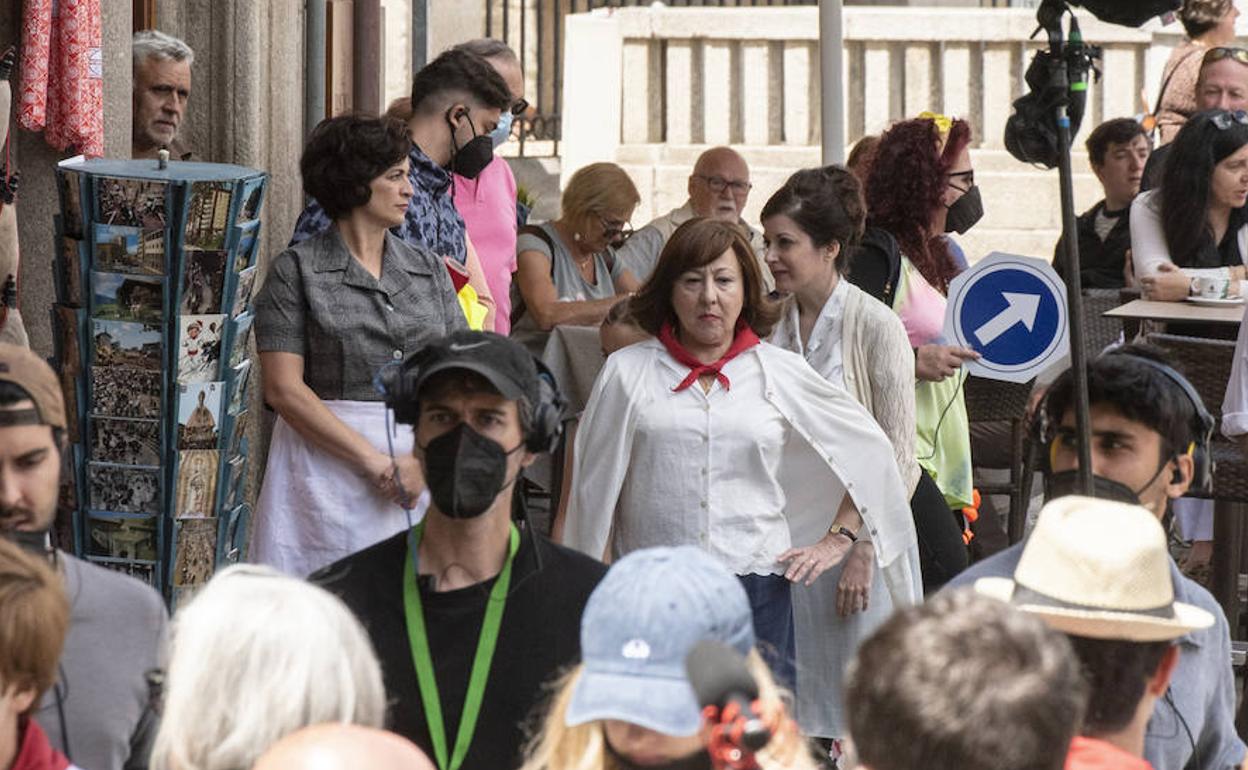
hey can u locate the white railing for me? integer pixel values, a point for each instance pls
(649, 87)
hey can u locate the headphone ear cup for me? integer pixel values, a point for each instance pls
(547, 424)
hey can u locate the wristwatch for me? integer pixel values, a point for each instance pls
(841, 529)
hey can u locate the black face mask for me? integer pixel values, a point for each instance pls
(471, 159)
(1066, 483)
(466, 471)
(699, 760)
(965, 212)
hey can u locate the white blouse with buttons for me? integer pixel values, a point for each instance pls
(714, 457)
(823, 351)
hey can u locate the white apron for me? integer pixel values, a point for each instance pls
(314, 508)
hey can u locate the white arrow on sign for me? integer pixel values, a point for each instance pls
(1022, 308)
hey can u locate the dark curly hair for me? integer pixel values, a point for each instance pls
(906, 183)
(826, 203)
(1186, 180)
(459, 70)
(695, 244)
(345, 154)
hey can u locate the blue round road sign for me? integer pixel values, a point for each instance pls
(1012, 311)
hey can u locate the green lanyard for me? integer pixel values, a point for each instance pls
(480, 663)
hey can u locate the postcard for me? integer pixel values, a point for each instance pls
(234, 545)
(71, 272)
(122, 391)
(199, 347)
(70, 184)
(123, 249)
(126, 343)
(199, 415)
(121, 297)
(147, 572)
(242, 292)
(235, 482)
(197, 483)
(203, 281)
(195, 551)
(238, 432)
(123, 537)
(68, 322)
(120, 489)
(240, 339)
(247, 246)
(252, 194)
(131, 202)
(238, 387)
(125, 442)
(208, 215)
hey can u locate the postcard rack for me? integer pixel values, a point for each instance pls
(154, 272)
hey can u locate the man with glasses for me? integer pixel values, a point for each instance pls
(718, 188)
(1222, 85)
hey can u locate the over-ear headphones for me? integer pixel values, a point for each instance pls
(1203, 425)
(397, 384)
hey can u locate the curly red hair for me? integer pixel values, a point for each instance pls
(907, 182)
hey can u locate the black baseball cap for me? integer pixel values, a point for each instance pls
(505, 363)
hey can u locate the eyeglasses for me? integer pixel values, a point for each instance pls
(519, 107)
(612, 229)
(1224, 120)
(1225, 52)
(969, 176)
(718, 184)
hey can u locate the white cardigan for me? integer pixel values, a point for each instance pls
(879, 368)
(1148, 242)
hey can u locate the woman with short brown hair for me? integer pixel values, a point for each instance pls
(707, 436)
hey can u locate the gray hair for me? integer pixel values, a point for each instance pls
(488, 48)
(243, 671)
(154, 44)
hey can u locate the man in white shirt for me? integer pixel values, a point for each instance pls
(718, 189)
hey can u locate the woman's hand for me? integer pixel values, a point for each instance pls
(806, 564)
(936, 362)
(1169, 284)
(410, 481)
(378, 469)
(854, 589)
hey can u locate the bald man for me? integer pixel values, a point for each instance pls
(718, 188)
(343, 747)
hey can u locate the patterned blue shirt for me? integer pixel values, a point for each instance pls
(431, 222)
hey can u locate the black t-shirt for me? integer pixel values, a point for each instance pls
(1101, 260)
(539, 637)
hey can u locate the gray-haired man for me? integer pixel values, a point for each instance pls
(162, 86)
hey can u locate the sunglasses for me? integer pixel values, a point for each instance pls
(1225, 52)
(519, 107)
(1224, 120)
(610, 230)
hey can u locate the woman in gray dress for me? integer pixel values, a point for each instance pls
(333, 310)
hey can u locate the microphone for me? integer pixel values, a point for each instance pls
(728, 694)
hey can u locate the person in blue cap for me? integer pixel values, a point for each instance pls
(630, 704)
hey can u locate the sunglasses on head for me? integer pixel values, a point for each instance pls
(1225, 52)
(1224, 120)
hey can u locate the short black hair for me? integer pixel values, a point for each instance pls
(459, 70)
(1117, 672)
(1138, 392)
(1116, 131)
(451, 381)
(345, 154)
(827, 204)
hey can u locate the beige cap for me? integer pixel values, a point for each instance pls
(32, 374)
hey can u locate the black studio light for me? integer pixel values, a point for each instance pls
(1128, 13)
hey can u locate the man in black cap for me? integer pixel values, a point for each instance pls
(469, 613)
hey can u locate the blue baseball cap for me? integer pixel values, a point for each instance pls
(641, 621)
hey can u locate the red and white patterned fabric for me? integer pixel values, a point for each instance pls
(62, 83)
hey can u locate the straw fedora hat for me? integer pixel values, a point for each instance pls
(1099, 569)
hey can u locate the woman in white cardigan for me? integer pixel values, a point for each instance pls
(812, 226)
(1195, 225)
(706, 436)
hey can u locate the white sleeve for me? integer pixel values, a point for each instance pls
(1235, 403)
(1148, 242)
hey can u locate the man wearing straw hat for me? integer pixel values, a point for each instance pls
(1150, 435)
(1099, 572)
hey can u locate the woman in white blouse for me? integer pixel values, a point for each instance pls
(1195, 226)
(812, 225)
(706, 436)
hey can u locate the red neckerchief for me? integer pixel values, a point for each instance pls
(34, 752)
(743, 340)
